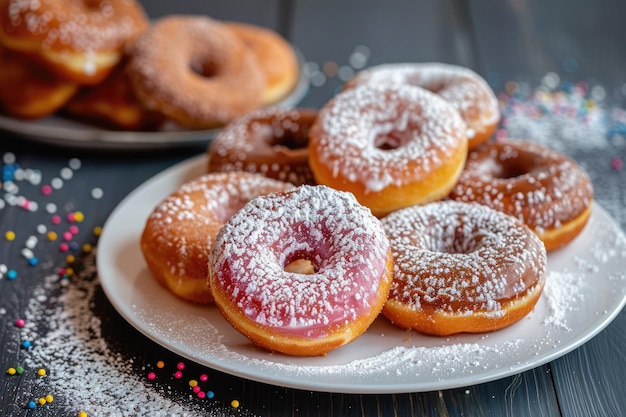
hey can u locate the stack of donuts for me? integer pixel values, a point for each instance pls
(103, 62)
(393, 201)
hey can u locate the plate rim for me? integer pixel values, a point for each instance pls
(194, 166)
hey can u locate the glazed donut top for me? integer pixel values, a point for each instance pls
(469, 257)
(465, 90)
(384, 135)
(532, 182)
(75, 26)
(328, 227)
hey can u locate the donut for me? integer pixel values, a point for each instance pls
(392, 146)
(113, 104)
(313, 310)
(546, 190)
(196, 71)
(271, 141)
(81, 41)
(178, 234)
(275, 57)
(27, 91)
(465, 90)
(461, 267)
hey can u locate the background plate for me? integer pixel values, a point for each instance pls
(586, 289)
(57, 130)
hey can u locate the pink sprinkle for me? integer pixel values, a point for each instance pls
(204, 377)
(73, 229)
(64, 247)
(71, 217)
(201, 394)
(26, 204)
(67, 236)
(180, 366)
(178, 375)
(20, 323)
(196, 389)
(151, 375)
(56, 219)
(617, 163)
(46, 190)
(501, 135)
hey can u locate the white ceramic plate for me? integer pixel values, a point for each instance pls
(586, 289)
(61, 131)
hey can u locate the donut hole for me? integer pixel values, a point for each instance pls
(394, 139)
(289, 139)
(301, 262)
(205, 69)
(511, 170)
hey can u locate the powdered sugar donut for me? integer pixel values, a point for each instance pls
(390, 145)
(308, 312)
(271, 141)
(464, 89)
(179, 233)
(461, 267)
(543, 188)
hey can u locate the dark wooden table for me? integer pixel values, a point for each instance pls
(518, 46)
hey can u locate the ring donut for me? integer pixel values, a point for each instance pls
(391, 146)
(465, 90)
(461, 267)
(272, 141)
(546, 190)
(178, 234)
(196, 71)
(81, 41)
(306, 312)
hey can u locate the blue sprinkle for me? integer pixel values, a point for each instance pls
(210, 394)
(11, 274)
(32, 405)
(33, 261)
(73, 246)
(27, 344)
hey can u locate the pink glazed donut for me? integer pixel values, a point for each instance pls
(261, 288)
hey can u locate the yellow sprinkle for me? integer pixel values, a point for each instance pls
(70, 259)
(41, 372)
(87, 248)
(11, 371)
(69, 272)
(79, 216)
(41, 401)
(160, 364)
(82, 414)
(234, 404)
(10, 236)
(52, 236)
(193, 383)
(49, 398)
(97, 230)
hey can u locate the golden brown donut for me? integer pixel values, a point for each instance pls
(461, 267)
(179, 233)
(546, 190)
(113, 103)
(79, 40)
(465, 90)
(391, 145)
(28, 91)
(196, 71)
(273, 142)
(275, 57)
(301, 313)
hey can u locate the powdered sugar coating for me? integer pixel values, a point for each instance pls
(271, 141)
(529, 181)
(75, 26)
(423, 130)
(344, 241)
(464, 89)
(460, 258)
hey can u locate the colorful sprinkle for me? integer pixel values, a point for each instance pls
(19, 370)
(151, 375)
(617, 163)
(234, 404)
(64, 247)
(70, 259)
(210, 394)
(97, 230)
(10, 236)
(193, 383)
(73, 229)
(83, 414)
(11, 274)
(20, 323)
(41, 372)
(55, 219)
(79, 217)
(32, 405)
(178, 375)
(180, 366)
(11, 371)
(196, 389)
(160, 364)
(41, 401)
(87, 248)
(68, 236)
(46, 190)
(204, 377)
(201, 394)
(49, 398)
(33, 261)
(52, 236)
